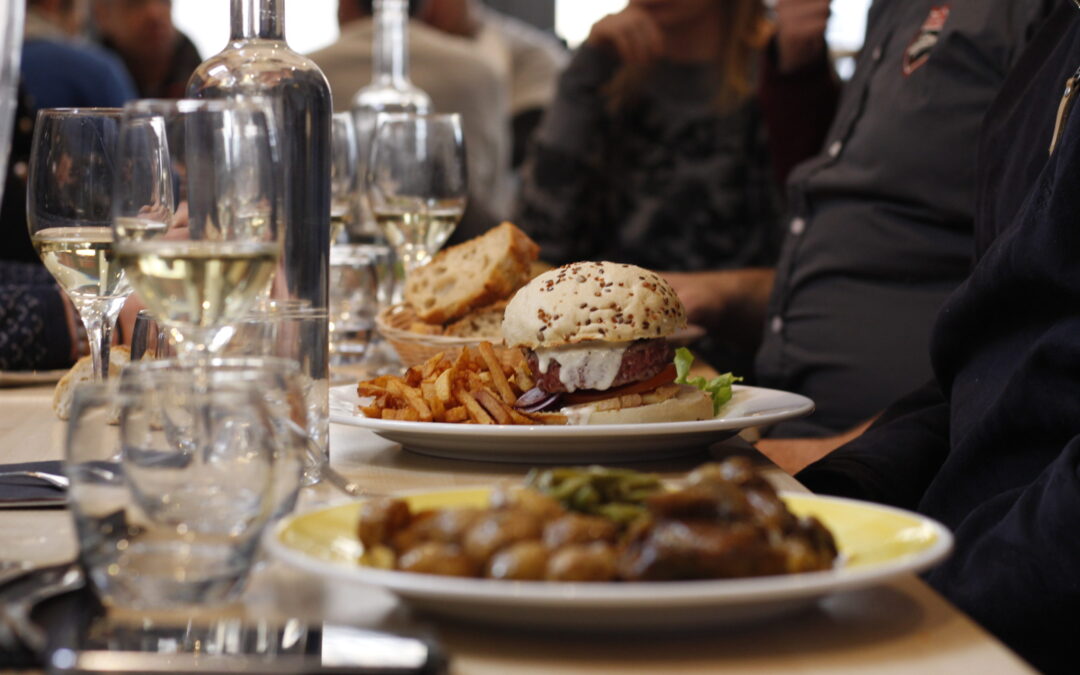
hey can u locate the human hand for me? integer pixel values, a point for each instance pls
(705, 295)
(800, 32)
(632, 34)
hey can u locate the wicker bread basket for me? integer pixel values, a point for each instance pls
(414, 348)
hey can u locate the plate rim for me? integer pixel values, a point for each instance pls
(612, 595)
(801, 405)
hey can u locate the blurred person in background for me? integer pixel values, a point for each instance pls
(458, 79)
(39, 327)
(879, 227)
(531, 59)
(59, 69)
(159, 57)
(656, 149)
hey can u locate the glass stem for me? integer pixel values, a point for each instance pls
(99, 318)
(99, 333)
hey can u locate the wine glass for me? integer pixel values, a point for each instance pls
(196, 215)
(69, 201)
(416, 182)
(344, 199)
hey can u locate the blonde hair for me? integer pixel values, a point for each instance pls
(744, 31)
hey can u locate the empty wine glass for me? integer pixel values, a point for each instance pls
(196, 217)
(416, 182)
(69, 201)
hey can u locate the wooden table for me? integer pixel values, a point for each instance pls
(902, 627)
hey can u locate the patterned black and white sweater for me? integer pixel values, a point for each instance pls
(666, 181)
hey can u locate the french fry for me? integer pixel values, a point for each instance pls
(498, 378)
(478, 386)
(457, 414)
(433, 366)
(373, 411)
(413, 399)
(442, 385)
(522, 373)
(493, 406)
(476, 411)
(438, 411)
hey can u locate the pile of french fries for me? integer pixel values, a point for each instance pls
(480, 386)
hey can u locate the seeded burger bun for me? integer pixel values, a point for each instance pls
(593, 333)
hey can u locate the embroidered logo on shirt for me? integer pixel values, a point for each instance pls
(924, 41)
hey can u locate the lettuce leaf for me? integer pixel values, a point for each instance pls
(719, 388)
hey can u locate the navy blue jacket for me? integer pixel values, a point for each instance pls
(992, 447)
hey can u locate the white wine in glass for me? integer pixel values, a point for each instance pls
(197, 226)
(73, 171)
(417, 182)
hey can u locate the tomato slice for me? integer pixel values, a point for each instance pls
(589, 395)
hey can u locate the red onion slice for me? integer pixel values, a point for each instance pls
(535, 400)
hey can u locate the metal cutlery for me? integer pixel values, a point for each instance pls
(15, 623)
(54, 479)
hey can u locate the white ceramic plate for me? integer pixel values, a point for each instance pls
(750, 406)
(876, 543)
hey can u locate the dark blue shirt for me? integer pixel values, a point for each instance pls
(62, 75)
(992, 447)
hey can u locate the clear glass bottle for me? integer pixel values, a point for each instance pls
(258, 62)
(390, 89)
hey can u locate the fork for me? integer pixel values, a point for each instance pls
(56, 480)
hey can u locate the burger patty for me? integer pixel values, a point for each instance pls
(641, 360)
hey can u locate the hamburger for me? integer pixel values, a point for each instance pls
(594, 334)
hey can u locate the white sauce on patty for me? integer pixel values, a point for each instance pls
(584, 365)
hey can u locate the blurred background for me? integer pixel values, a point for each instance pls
(206, 22)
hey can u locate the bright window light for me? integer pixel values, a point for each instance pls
(309, 25)
(574, 18)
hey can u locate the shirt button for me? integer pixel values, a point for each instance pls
(835, 148)
(876, 54)
(776, 325)
(797, 226)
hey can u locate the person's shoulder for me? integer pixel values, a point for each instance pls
(354, 41)
(77, 59)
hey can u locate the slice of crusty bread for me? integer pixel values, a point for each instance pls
(472, 274)
(485, 322)
(81, 372)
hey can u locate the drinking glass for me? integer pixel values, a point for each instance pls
(74, 171)
(290, 330)
(11, 31)
(416, 182)
(344, 185)
(170, 503)
(196, 214)
(360, 276)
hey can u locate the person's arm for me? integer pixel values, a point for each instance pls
(895, 459)
(733, 301)
(799, 90)
(1014, 564)
(795, 454)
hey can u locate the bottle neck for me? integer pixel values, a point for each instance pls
(391, 50)
(258, 19)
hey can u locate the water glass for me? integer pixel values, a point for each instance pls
(361, 281)
(292, 330)
(174, 477)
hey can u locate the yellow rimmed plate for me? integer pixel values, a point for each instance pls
(877, 543)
